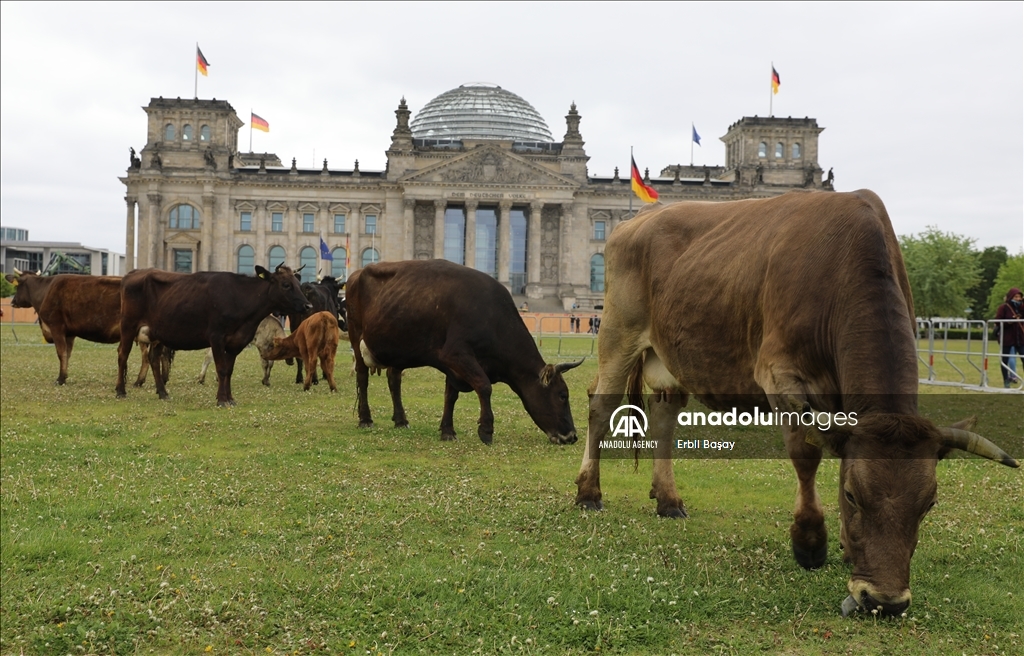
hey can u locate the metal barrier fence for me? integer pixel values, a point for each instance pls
(958, 353)
(556, 331)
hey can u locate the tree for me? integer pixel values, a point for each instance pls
(6, 288)
(1011, 274)
(943, 268)
(991, 259)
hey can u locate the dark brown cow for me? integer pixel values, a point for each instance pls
(197, 310)
(797, 302)
(461, 322)
(316, 337)
(71, 306)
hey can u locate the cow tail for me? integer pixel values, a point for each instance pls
(635, 397)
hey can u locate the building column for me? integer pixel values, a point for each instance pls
(291, 223)
(470, 256)
(565, 246)
(204, 261)
(129, 246)
(154, 232)
(408, 227)
(439, 208)
(355, 230)
(259, 221)
(533, 234)
(504, 240)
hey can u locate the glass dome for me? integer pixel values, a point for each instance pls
(480, 111)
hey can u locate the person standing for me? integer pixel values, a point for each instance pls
(1011, 334)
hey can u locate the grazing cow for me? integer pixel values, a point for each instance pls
(799, 302)
(462, 322)
(268, 329)
(316, 337)
(324, 296)
(70, 306)
(197, 310)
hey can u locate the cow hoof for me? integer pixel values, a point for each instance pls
(122, 395)
(487, 438)
(138, 383)
(401, 424)
(226, 404)
(673, 512)
(266, 383)
(58, 382)
(447, 437)
(366, 424)
(165, 397)
(810, 558)
(588, 504)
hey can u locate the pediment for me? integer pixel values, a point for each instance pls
(181, 239)
(489, 165)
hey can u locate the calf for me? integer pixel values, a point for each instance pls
(315, 337)
(324, 296)
(268, 329)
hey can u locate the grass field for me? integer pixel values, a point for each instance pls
(278, 526)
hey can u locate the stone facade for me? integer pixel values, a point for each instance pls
(197, 204)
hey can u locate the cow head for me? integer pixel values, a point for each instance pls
(887, 484)
(285, 293)
(23, 288)
(546, 399)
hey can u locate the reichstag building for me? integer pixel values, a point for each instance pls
(476, 177)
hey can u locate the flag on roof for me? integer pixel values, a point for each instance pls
(696, 137)
(259, 123)
(775, 80)
(201, 62)
(646, 193)
(325, 253)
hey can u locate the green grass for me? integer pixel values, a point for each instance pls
(278, 526)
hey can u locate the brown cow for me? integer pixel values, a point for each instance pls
(316, 337)
(71, 306)
(796, 302)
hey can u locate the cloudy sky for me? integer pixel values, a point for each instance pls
(923, 103)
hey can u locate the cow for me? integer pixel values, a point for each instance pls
(70, 306)
(462, 322)
(191, 311)
(799, 302)
(268, 329)
(316, 337)
(324, 296)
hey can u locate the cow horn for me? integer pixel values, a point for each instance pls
(562, 367)
(300, 268)
(16, 272)
(956, 438)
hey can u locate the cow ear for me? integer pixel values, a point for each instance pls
(261, 272)
(546, 375)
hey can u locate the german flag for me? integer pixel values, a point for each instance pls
(201, 62)
(260, 124)
(644, 192)
(775, 80)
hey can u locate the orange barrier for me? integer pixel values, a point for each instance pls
(16, 315)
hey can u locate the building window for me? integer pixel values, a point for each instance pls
(277, 222)
(339, 265)
(246, 260)
(169, 132)
(599, 230)
(245, 222)
(486, 259)
(597, 273)
(339, 223)
(371, 224)
(307, 259)
(186, 133)
(104, 263)
(796, 151)
(184, 217)
(307, 223)
(517, 259)
(455, 234)
(204, 133)
(182, 261)
(779, 150)
(370, 256)
(277, 256)
(762, 150)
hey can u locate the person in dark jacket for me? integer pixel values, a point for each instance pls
(1011, 334)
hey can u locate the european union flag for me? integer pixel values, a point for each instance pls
(696, 137)
(325, 253)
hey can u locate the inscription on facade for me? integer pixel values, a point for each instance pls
(489, 195)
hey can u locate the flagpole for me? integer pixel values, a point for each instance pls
(771, 93)
(693, 131)
(195, 65)
(631, 182)
(250, 129)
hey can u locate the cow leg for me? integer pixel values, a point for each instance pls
(207, 361)
(327, 364)
(144, 367)
(64, 345)
(159, 375)
(663, 410)
(464, 367)
(807, 533)
(395, 387)
(225, 363)
(124, 348)
(451, 395)
(362, 383)
(267, 366)
(298, 371)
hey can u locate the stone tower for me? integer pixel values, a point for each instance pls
(773, 151)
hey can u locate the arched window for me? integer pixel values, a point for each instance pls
(276, 256)
(762, 150)
(370, 256)
(183, 217)
(169, 132)
(246, 260)
(338, 268)
(186, 133)
(597, 273)
(779, 150)
(796, 151)
(455, 234)
(204, 133)
(307, 258)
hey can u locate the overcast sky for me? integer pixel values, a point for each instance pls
(923, 103)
